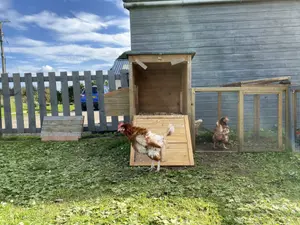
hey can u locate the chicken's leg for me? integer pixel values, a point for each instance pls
(214, 146)
(162, 152)
(152, 165)
(158, 166)
(224, 146)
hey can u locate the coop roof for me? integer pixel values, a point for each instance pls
(148, 0)
(119, 65)
(147, 3)
(161, 53)
(260, 82)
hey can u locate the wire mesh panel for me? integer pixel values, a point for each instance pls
(256, 118)
(264, 120)
(210, 107)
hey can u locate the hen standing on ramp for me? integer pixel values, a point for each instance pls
(146, 142)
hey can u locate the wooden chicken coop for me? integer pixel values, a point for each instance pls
(160, 94)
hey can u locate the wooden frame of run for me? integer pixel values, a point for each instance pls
(294, 94)
(279, 90)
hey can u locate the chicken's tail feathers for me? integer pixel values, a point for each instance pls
(170, 131)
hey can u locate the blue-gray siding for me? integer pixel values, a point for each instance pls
(233, 42)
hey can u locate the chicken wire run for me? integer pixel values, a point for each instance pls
(255, 88)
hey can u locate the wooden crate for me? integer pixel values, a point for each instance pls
(62, 128)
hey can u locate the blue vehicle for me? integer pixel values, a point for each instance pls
(95, 98)
(94, 95)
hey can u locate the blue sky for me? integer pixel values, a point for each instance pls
(63, 35)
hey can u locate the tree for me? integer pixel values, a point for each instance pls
(59, 97)
(71, 94)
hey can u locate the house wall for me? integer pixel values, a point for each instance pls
(233, 42)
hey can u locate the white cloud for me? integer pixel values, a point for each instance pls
(70, 54)
(47, 68)
(27, 42)
(122, 39)
(122, 23)
(41, 56)
(81, 22)
(85, 22)
(28, 68)
(104, 66)
(82, 27)
(14, 18)
(4, 4)
(119, 4)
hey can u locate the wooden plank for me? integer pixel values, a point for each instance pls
(101, 105)
(65, 93)
(6, 102)
(258, 81)
(18, 102)
(241, 120)
(141, 64)
(261, 92)
(124, 84)
(189, 89)
(287, 119)
(77, 93)
(188, 139)
(219, 105)
(177, 61)
(216, 89)
(295, 104)
(30, 102)
(117, 102)
(193, 118)
(256, 107)
(42, 97)
(112, 87)
(254, 90)
(291, 121)
(280, 144)
(65, 128)
(181, 102)
(53, 94)
(158, 58)
(131, 91)
(177, 153)
(63, 118)
(136, 99)
(89, 100)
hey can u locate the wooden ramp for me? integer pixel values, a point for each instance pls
(179, 150)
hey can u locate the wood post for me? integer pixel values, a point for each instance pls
(280, 121)
(193, 119)
(292, 117)
(256, 123)
(295, 113)
(219, 105)
(287, 119)
(241, 119)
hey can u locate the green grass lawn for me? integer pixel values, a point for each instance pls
(90, 182)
